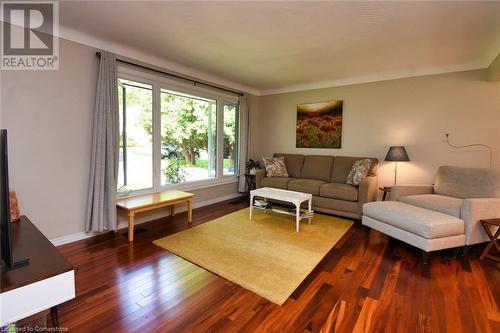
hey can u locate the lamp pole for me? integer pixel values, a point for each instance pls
(396, 173)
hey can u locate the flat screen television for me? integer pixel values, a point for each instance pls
(8, 258)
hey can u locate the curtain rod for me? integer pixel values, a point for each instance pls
(195, 82)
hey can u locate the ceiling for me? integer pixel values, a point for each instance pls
(272, 47)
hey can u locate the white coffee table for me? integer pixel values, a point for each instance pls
(296, 198)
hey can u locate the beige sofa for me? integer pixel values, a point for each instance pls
(325, 178)
(439, 216)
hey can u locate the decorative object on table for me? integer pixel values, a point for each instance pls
(319, 125)
(261, 204)
(471, 146)
(304, 213)
(359, 170)
(274, 277)
(252, 166)
(397, 154)
(385, 189)
(275, 166)
(487, 226)
(15, 213)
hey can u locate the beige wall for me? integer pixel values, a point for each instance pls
(494, 69)
(414, 112)
(49, 118)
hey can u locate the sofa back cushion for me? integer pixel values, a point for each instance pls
(467, 182)
(342, 165)
(293, 163)
(317, 167)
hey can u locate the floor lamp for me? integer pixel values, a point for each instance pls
(397, 154)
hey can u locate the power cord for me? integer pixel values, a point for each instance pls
(471, 145)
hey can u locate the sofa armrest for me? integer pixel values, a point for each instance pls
(474, 210)
(398, 191)
(259, 175)
(367, 190)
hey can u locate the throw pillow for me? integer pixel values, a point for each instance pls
(275, 166)
(359, 170)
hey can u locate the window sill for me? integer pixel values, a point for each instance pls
(188, 186)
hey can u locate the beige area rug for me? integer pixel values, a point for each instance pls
(264, 255)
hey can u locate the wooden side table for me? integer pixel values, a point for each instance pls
(385, 189)
(493, 238)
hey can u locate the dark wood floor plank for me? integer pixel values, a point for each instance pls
(366, 283)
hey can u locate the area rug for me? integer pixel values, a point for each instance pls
(264, 255)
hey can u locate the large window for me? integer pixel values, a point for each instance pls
(171, 135)
(188, 137)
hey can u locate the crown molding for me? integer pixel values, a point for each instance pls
(375, 78)
(126, 51)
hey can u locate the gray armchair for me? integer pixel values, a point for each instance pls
(470, 194)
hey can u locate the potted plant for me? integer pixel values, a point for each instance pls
(252, 166)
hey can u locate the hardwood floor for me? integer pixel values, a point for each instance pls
(367, 283)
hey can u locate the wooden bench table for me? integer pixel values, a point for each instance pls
(144, 203)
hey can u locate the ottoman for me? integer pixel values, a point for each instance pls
(423, 228)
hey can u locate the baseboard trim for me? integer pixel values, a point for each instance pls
(83, 235)
(73, 238)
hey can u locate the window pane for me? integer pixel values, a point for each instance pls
(136, 136)
(188, 137)
(230, 138)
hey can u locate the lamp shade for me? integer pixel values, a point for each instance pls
(397, 154)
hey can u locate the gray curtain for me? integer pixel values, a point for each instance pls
(101, 209)
(245, 143)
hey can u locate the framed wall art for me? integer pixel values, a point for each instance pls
(319, 125)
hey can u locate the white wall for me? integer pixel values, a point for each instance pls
(414, 112)
(49, 118)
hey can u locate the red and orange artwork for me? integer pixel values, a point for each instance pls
(319, 125)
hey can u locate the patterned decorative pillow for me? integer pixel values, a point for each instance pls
(275, 166)
(359, 170)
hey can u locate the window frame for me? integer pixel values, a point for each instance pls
(159, 82)
(236, 138)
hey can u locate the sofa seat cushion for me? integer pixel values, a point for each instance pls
(276, 182)
(423, 222)
(306, 185)
(440, 203)
(339, 191)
